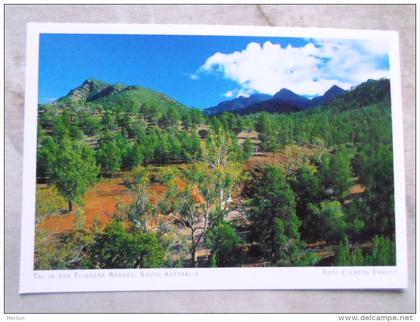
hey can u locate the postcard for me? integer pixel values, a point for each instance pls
(181, 157)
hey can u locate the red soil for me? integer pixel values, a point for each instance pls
(100, 203)
(156, 192)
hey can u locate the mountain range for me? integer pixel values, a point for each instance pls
(97, 93)
(283, 101)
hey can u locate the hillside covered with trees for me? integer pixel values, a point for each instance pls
(300, 188)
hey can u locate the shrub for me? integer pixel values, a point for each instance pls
(115, 247)
(223, 242)
(48, 202)
(383, 252)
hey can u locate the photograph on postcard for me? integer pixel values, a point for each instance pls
(190, 151)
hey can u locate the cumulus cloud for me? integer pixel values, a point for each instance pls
(309, 70)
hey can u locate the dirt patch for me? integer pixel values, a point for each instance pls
(357, 189)
(99, 204)
(262, 160)
(155, 192)
(291, 156)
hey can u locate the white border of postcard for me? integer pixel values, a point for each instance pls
(36, 281)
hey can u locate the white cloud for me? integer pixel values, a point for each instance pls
(308, 70)
(374, 47)
(228, 94)
(238, 92)
(194, 76)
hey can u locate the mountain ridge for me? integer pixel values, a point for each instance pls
(99, 94)
(284, 100)
(289, 96)
(236, 104)
(118, 95)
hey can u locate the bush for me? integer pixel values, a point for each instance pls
(223, 242)
(62, 251)
(115, 247)
(327, 221)
(359, 219)
(382, 253)
(48, 202)
(346, 256)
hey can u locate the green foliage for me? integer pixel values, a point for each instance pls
(375, 167)
(139, 212)
(306, 184)
(346, 256)
(273, 213)
(66, 124)
(382, 253)
(91, 125)
(90, 89)
(308, 259)
(74, 169)
(371, 91)
(203, 200)
(220, 149)
(109, 158)
(115, 247)
(359, 219)
(135, 156)
(46, 157)
(62, 251)
(61, 126)
(108, 121)
(192, 147)
(266, 127)
(223, 242)
(131, 154)
(264, 123)
(170, 118)
(327, 220)
(48, 202)
(79, 220)
(248, 149)
(47, 115)
(228, 122)
(336, 172)
(309, 200)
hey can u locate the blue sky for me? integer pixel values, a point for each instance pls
(201, 71)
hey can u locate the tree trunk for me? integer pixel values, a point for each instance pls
(70, 205)
(194, 256)
(193, 249)
(206, 223)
